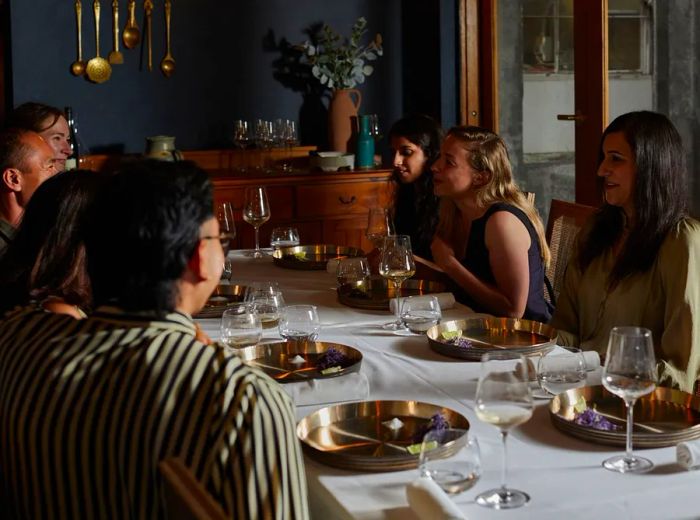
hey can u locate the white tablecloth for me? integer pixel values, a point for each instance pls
(563, 475)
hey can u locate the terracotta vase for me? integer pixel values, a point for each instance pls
(342, 109)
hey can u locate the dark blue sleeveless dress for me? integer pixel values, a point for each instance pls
(476, 259)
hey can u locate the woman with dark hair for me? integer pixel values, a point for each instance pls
(637, 260)
(415, 143)
(47, 121)
(490, 239)
(45, 263)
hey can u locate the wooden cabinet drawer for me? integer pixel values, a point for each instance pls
(279, 197)
(336, 199)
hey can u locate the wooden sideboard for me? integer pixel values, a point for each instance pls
(326, 208)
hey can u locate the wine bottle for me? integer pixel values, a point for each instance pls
(73, 160)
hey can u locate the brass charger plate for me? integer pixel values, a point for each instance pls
(223, 296)
(663, 418)
(352, 436)
(314, 257)
(376, 293)
(487, 334)
(275, 359)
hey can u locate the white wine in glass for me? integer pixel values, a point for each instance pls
(396, 264)
(503, 398)
(256, 212)
(630, 373)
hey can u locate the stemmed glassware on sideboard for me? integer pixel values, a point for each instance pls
(256, 211)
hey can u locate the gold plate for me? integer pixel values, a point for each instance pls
(376, 293)
(488, 333)
(313, 257)
(274, 359)
(663, 418)
(352, 436)
(223, 296)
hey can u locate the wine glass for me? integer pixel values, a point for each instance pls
(374, 129)
(227, 230)
(561, 369)
(396, 265)
(451, 458)
(352, 270)
(503, 399)
(241, 139)
(240, 325)
(379, 225)
(284, 237)
(256, 212)
(630, 373)
(299, 323)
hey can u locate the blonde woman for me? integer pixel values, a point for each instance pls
(489, 240)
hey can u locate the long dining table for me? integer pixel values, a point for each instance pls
(562, 475)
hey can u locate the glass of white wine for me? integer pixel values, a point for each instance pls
(396, 265)
(240, 326)
(256, 212)
(379, 226)
(503, 399)
(451, 458)
(630, 373)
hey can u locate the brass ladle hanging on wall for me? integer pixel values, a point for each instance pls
(131, 35)
(115, 57)
(168, 63)
(98, 69)
(77, 68)
(148, 11)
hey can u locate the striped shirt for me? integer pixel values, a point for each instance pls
(88, 408)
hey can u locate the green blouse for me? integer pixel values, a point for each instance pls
(665, 299)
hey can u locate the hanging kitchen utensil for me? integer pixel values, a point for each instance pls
(77, 68)
(148, 10)
(98, 69)
(115, 57)
(168, 63)
(131, 35)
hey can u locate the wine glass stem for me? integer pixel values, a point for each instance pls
(398, 301)
(504, 467)
(257, 239)
(628, 441)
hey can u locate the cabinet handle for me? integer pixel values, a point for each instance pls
(344, 200)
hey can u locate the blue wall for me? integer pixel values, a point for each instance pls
(224, 71)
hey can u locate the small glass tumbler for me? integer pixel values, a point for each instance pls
(352, 270)
(451, 458)
(268, 307)
(419, 313)
(299, 323)
(240, 326)
(284, 237)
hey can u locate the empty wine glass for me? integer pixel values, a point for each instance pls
(299, 323)
(379, 225)
(396, 265)
(561, 369)
(256, 212)
(227, 230)
(240, 326)
(374, 129)
(630, 373)
(451, 458)
(352, 270)
(503, 399)
(284, 237)
(241, 139)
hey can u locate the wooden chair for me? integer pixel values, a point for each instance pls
(565, 221)
(185, 497)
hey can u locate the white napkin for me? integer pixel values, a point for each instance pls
(688, 454)
(445, 299)
(430, 502)
(592, 359)
(351, 387)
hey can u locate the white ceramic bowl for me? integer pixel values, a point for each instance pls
(332, 161)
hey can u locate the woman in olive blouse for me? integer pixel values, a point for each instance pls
(637, 261)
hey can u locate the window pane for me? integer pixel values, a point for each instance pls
(625, 44)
